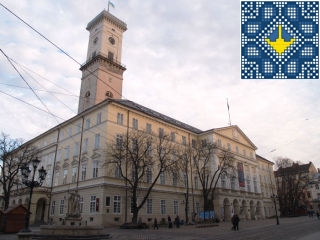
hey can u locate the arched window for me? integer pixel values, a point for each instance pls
(87, 94)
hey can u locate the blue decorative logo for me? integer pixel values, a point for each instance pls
(279, 40)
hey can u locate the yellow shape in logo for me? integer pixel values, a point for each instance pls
(280, 45)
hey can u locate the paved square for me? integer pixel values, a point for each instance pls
(280, 40)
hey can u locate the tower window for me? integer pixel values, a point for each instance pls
(109, 94)
(110, 56)
(87, 94)
(95, 40)
(111, 40)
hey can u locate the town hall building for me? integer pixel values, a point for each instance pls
(74, 153)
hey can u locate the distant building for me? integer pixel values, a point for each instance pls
(294, 187)
(74, 152)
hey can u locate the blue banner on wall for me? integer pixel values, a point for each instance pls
(206, 214)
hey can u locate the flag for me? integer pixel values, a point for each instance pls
(110, 4)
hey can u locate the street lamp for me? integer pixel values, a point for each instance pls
(25, 171)
(274, 198)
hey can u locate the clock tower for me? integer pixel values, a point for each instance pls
(102, 73)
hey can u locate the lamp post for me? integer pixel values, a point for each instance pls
(274, 198)
(25, 171)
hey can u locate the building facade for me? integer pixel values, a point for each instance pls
(297, 188)
(75, 153)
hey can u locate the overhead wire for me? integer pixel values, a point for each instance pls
(30, 87)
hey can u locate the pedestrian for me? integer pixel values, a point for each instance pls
(177, 221)
(233, 222)
(155, 224)
(169, 222)
(318, 215)
(236, 222)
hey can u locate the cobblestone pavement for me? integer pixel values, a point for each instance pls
(300, 228)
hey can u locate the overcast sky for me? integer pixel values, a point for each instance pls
(182, 59)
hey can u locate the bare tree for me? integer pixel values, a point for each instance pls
(210, 163)
(140, 159)
(12, 157)
(292, 180)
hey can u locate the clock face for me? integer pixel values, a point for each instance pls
(111, 40)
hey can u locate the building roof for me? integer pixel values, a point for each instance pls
(258, 156)
(110, 17)
(294, 169)
(156, 114)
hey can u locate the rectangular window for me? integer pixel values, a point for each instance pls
(149, 206)
(203, 142)
(99, 118)
(163, 207)
(228, 146)
(149, 175)
(174, 179)
(53, 206)
(85, 145)
(76, 149)
(255, 186)
(92, 204)
(110, 56)
(237, 149)
(196, 183)
(70, 131)
(119, 141)
(223, 180)
(248, 184)
(251, 155)
(61, 209)
(81, 204)
(96, 141)
(87, 123)
(244, 153)
(116, 204)
(95, 170)
(175, 207)
(149, 128)
(117, 172)
(161, 133)
(162, 178)
(233, 183)
(65, 175)
(108, 201)
(135, 123)
(56, 178)
(83, 172)
(66, 152)
(74, 174)
(120, 118)
(173, 136)
(193, 143)
(149, 150)
(184, 140)
(59, 155)
(78, 127)
(219, 143)
(185, 180)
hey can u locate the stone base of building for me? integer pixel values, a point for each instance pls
(64, 232)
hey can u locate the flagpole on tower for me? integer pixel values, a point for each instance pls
(229, 112)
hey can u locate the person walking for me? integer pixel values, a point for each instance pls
(169, 222)
(177, 221)
(155, 224)
(233, 222)
(236, 222)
